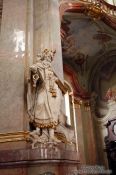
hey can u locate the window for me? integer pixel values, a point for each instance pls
(69, 111)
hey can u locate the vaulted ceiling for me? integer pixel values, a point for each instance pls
(89, 50)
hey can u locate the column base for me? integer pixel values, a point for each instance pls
(59, 160)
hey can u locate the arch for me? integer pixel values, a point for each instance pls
(77, 89)
(101, 79)
(107, 60)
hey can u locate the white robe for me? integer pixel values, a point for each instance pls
(43, 107)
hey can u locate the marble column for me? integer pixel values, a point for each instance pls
(31, 27)
(47, 31)
(12, 65)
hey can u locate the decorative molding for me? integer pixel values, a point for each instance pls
(14, 136)
(95, 11)
(105, 5)
(87, 105)
(82, 102)
(7, 165)
(108, 11)
(78, 102)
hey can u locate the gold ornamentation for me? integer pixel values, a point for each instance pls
(47, 125)
(87, 105)
(78, 102)
(53, 93)
(14, 136)
(94, 10)
(48, 52)
(61, 137)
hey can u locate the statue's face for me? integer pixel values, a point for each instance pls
(49, 56)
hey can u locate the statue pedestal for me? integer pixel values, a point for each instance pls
(58, 159)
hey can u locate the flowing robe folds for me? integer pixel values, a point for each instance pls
(44, 99)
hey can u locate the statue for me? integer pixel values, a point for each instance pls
(43, 98)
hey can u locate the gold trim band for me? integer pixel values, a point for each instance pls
(14, 136)
(52, 124)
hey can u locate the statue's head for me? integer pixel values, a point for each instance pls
(48, 54)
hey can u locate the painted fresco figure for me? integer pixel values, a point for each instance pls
(44, 97)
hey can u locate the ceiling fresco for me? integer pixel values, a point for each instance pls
(81, 37)
(89, 50)
(85, 42)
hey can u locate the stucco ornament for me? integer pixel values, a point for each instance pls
(43, 98)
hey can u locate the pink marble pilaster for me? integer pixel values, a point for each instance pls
(12, 65)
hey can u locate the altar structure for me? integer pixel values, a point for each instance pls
(56, 93)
